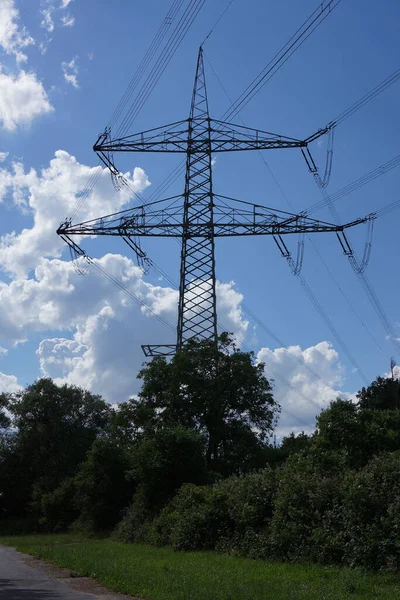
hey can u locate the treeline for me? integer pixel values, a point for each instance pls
(188, 463)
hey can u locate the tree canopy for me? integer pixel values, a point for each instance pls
(218, 391)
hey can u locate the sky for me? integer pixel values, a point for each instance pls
(64, 66)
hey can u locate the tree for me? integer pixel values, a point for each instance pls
(161, 463)
(55, 427)
(216, 390)
(382, 394)
(338, 428)
(102, 489)
(293, 443)
(4, 418)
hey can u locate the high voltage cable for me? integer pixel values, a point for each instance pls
(123, 288)
(304, 283)
(298, 38)
(385, 210)
(155, 44)
(367, 286)
(355, 185)
(164, 59)
(378, 89)
(217, 22)
(165, 56)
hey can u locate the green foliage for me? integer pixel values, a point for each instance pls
(360, 433)
(4, 418)
(56, 427)
(382, 394)
(102, 490)
(295, 443)
(371, 514)
(161, 463)
(232, 515)
(195, 519)
(306, 521)
(54, 509)
(220, 392)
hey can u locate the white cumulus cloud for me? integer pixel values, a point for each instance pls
(315, 377)
(67, 20)
(14, 38)
(50, 196)
(22, 99)
(9, 384)
(70, 70)
(47, 22)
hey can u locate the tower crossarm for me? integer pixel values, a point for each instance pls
(231, 218)
(191, 136)
(229, 137)
(169, 138)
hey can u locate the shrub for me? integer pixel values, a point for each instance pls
(232, 515)
(54, 511)
(195, 519)
(162, 463)
(102, 490)
(307, 520)
(372, 514)
(250, 505)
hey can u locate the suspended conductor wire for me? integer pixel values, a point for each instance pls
(294, 43)
(158, 69)
(358, 269)
(217, 22)
(315, 19)
(296, 269)
(155, 44)
(328, 200)
(151, 81)
(378, 89)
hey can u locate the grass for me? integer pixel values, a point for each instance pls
(162, 574)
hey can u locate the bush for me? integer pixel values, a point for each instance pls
(232, 515)
(250, 505)
(194, 520)
(162, 463)
(102, 490)
(372, 514)
(54, 511)
(307, 520)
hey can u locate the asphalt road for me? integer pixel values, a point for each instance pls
(21, 581)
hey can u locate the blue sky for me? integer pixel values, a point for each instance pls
(64, 67)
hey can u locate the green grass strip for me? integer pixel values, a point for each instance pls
(162, 574)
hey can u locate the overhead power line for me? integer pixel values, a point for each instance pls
(356, 106)
(317, 17)
(146, 60)
(158, 69)
(328, 200)
(164, 58)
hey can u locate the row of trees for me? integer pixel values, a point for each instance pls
(188, 463)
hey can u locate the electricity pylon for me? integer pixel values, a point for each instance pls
(203, 215)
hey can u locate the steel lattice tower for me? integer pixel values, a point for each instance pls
(197, 313)
(203, 215)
